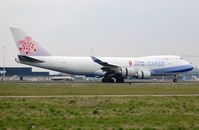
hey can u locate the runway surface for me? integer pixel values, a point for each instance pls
(99, 82)
(90, 96)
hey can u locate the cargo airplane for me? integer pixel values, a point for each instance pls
(111, 69)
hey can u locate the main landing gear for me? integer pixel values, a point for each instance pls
(111, 80)
(119, 80)
(105, 80)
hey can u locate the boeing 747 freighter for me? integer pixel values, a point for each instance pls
(111, 69)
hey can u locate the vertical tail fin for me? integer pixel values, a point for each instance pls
(26, 45)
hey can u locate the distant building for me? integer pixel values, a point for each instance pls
(192, 75)
(23, 73)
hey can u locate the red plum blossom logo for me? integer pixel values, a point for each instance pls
(130, 63)
(27, 45)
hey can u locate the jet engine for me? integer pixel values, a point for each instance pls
(143, 75)
(131, 72)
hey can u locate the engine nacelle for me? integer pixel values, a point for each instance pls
(143, 75)
(131, 72)
(127, 72)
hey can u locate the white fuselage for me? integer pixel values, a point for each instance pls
(157, 65)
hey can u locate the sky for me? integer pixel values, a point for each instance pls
(114, 28)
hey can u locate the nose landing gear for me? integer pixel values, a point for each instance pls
(175, 79)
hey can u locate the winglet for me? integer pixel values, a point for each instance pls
(105, 64)
(95, 59)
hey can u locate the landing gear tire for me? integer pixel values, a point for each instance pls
(175, 80)
(104, 80)
(111, 80)
(120, 80)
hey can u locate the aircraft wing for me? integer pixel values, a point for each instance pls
(106, 66)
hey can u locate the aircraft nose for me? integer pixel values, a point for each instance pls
(190, 66)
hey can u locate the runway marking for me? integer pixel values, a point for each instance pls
(90, 96)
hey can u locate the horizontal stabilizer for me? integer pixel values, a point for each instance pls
(23, 58)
